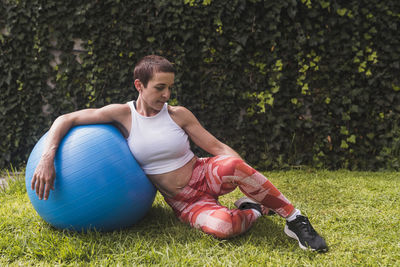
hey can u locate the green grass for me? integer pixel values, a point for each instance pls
(357, 212)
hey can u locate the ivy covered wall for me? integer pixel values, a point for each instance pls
(285, 83)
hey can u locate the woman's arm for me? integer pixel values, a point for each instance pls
(44, 175)
(198, 134)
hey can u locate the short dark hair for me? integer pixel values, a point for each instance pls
(150, 64)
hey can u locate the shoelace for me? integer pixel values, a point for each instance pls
(303, 223)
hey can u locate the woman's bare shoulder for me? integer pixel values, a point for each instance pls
(177, 109)
(116, 110)
(120, 116)
(119, 107)
(180, 114)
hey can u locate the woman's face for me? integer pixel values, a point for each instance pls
(158, 90)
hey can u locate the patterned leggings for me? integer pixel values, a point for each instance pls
(197, 203)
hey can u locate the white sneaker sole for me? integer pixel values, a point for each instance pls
(291, 234)
(242, 200)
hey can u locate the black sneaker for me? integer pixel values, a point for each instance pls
(302, 230)
(246, 203)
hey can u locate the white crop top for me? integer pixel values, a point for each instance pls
(158, 144)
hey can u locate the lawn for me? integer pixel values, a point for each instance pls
(357, 212)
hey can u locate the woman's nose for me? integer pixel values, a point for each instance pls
(166, 93)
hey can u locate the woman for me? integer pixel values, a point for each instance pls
(158, 136)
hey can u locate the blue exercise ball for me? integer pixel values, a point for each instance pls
(99, 185)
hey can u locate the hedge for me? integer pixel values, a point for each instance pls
(285, 83)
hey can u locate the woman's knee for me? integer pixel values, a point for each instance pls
(222, 229)
(224, 232)
(228, 165)
(224, 224)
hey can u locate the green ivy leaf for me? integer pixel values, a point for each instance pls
(351, 139)
(344, 145)
(341, 11)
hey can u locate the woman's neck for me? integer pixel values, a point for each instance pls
(144, 109)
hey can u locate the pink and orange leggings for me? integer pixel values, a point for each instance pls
(197, 203)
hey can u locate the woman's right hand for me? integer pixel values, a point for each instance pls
(43, 178)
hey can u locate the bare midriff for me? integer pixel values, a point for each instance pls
(171, 183)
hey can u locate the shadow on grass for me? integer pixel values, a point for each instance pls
(161, 224)
(161, 221)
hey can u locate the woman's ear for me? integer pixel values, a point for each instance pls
(138, 85)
